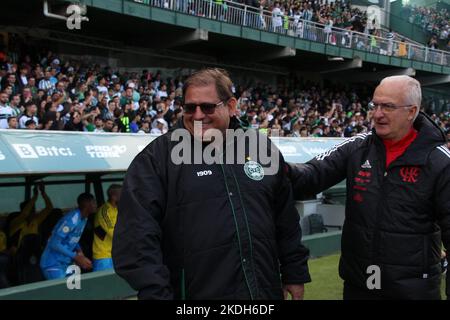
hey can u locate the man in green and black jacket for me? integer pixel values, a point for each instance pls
(209, 231)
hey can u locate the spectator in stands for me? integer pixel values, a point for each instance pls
(102, 85)
(108, 125)
(162, 93)
(433, 43)
(134, 127)
(30, 114)
(127, 116)
(159, 118)
(45, 84)
(115, 128)
(99, 124)
(328, 29)
(15, 105)
(52, 121)
(277, 21)
(145, 127)
(9, 90)
(89, 119)
(22, 77)
(261, 23)
(374, 47)
(146, 245)
(104, 223)
(108, 113)
(62, 248)
(75, 123)
(30, 125)
(127, 96)
(159, 127)
(5, 110)
(390, 36)
(32, 87)
(13, 123)
(402, 51)
(10, 81)
(399, 200)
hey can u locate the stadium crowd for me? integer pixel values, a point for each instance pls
(335, 14)
(435, 22)
(338, 14)
(48, 93)
(334, 23)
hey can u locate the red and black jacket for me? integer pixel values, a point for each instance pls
(395, 217)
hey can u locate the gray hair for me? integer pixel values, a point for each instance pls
(211, 76)
(413, 91)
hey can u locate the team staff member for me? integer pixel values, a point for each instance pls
(104, 223)
(208, 231)
(398, 204)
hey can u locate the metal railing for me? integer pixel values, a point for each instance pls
(260, 19)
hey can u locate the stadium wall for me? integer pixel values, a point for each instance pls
(106, 285)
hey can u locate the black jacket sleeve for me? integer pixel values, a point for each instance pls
(443, 212)
(323, 171)
(292, 254)
(136, 250)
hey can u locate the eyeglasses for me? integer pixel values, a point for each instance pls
(385, 107)
(207, 108)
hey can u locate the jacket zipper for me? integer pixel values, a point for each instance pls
(376, 236)
(238, 235)
(425, 269)
(247, 227)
